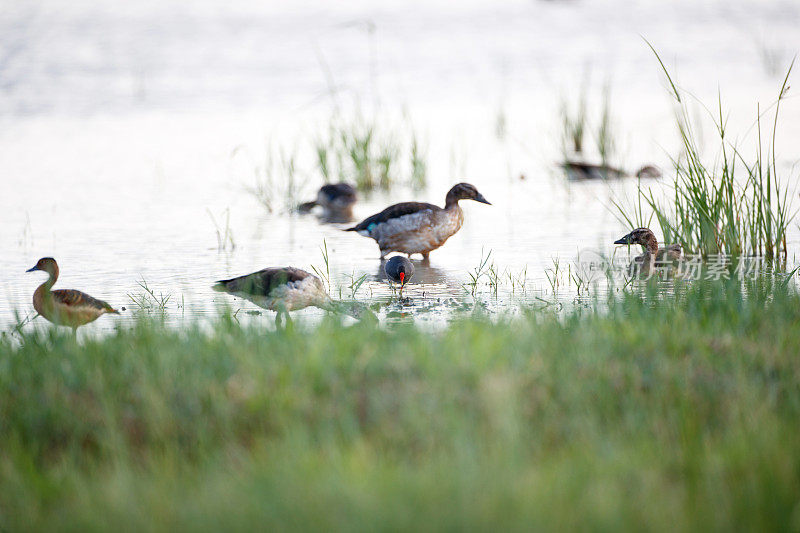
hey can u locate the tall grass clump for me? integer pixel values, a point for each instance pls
(662, 413)
(573, 125)
(369, 153)
(606, 143)
(362, 151)
(576, 121)
(733, 204)
(277, 180)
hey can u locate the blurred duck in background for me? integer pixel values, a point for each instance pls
(336, 201)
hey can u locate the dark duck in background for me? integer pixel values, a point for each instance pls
(336, 201)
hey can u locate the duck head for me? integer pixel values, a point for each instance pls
(338, 195)
(649, 172)
(642, 236)
(464, 191)
(46, 264)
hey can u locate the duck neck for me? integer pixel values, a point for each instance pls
(42, 299)
(51, 280)
(451, 204)
(451, 200)
(651, 244)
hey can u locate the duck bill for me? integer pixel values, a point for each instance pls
(34, 269)
(482, 200)
(623, 240)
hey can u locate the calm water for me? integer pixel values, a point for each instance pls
(126, 131)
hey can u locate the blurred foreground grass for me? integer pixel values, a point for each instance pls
(660, 413)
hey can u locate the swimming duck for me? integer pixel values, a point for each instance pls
(671, 253)
(65, 307)
(336, 199)
(399, 270)
(582, 171)
(283, 289)
(417, 227)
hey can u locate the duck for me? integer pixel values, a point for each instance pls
(582, 171)
(400, 270)
(65, 307)
(670, 253)
(418, 227)
(284, 289)
(336, 200)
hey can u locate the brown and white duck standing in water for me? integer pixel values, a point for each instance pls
(65, 307)
(336, 200)
(399, 270)
(671, 253)
(284, 289)
(417, 227)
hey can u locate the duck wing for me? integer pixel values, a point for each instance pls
(77, 299)
(263, 282)
(670, 252)
(392, 212)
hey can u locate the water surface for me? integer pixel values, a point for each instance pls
(127, 131)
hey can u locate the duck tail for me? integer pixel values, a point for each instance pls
(354, 228)
(306, 206)
(220, 286)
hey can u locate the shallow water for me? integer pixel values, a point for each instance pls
(126, 132)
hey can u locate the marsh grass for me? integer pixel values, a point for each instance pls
(20, 323)
(662, 413)
(324, 272)
(225, 241)
(374, 153)
(773, 57)
(277, 181)
(518, 281)
(573, 124)
(636, 212)
(488, 274)
(554, 275)
(730, 205)
(605, 140)
(147, 300)
(580, 277)
(355, 283)
(484, 269)
(577, 119)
